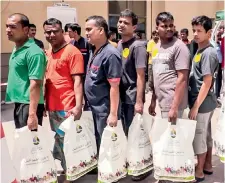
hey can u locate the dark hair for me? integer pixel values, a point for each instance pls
(132, 15)
(110, 33)
(163, 17)
(185, 30)
(32, 25)
(75, 27)
(139, 34)
(99, 22)
(24, 20)
(154, 32)
(204, 21)
(66, 27)
(52, 21)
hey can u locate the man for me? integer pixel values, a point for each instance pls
(137, 35)
(151, 44)
(82, 44)
(78, 41)
(26, 71)
(134, 58)
(63, 88)
(32, 34)
(202, 99)
(112, 38)
(66, 33)
(171, 64)
(184, 36)
(103, 76)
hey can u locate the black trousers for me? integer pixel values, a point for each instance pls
(21, 113)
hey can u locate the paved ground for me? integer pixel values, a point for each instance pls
(8, 125)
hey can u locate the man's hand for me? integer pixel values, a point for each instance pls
(172, 115)
(139, 107)
(76, 112)
(112, 120)
(151, 109)
(32, 122)
(193, 113)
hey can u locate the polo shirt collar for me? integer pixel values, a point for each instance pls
(27, 44)
(129, 41)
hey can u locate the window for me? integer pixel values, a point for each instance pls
(138, 7)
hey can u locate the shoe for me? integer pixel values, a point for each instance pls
(199, 179)
(207, 172)
(141, 177)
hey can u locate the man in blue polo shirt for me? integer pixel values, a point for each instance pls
(103, 76)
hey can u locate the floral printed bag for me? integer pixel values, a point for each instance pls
(173, 154)
(79, 145)
(219, 142)
(32, 157)
(112, 155)
(139, 150)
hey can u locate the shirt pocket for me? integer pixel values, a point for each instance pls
(95, 72)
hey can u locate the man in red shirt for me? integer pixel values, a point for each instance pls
(63, 87)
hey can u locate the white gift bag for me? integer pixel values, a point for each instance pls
(173, 154)
(32, 157)
(219, 142)
(8, 173)
(139, 150)
(112, 155)
(80, 148)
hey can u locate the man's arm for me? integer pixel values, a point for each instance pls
(140, 90)
(35, 90)
(114, 101)
(207, 83)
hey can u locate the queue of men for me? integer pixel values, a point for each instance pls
(111, 79)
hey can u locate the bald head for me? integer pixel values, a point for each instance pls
(21, 18)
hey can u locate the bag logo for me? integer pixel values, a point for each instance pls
(78, 128)
(36, 140)
(114, 137)
(173, 133)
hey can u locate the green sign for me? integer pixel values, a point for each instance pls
(220, 15)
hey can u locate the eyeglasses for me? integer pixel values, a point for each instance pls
(52, 31)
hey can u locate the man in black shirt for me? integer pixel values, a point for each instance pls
(32, 33)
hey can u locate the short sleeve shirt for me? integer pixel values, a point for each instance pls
(134, 56)
(62, 65)
(205, 62)
(25, 64)
(103, 67)
(150, 47)
(167, 59)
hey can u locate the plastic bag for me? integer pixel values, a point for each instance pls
(112, 155)
(32, 157)
(139, 150)
(219, 143)
(79, 145)
(173, 154)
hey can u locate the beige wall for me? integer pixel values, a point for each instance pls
(37, 13)
(183, 12)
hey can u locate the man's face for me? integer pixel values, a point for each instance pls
(200, 34)
(71, 33)
(53, 34)
(125, 26)
(32, 32)
(14, 29)
(183, 36)
(155, 37)
(166, 29)
(93, 32)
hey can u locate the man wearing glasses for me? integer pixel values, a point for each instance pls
(26, 72)
(63, 88)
